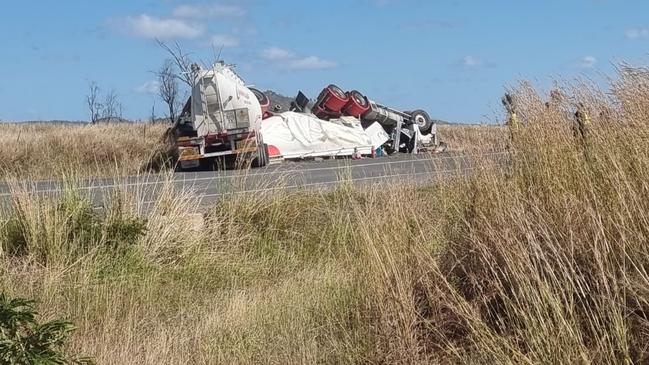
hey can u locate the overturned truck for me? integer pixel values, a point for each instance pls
(225, 122)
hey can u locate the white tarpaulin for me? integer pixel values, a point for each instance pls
(295, 135)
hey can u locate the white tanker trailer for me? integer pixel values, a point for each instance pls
(221, 120)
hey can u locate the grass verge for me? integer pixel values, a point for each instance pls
(544, 262)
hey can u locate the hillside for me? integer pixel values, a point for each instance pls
(278, 99)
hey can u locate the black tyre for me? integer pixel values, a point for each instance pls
(262, 159)
(261, 97)
(337, 91)
(422, 119)
(207, 164)
(359, 98)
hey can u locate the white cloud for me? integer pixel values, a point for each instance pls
(276, 54)
(149, 87)
(224, 40)
(470, 61)
(637, 33)
(289, 60)
(310, 63)
(146, 26)
(588, 62)
(208, 11)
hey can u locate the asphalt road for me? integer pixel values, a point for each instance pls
(211, 185)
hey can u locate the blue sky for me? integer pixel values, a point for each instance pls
(452, 58)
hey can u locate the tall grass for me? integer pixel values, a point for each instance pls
(34, 150)
(544, 261)
(473, 138)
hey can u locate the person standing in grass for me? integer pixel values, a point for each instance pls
(512, 119)
(581, 127)
(581, 130)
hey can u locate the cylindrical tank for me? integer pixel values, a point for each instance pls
(221, 101)
(384, 116)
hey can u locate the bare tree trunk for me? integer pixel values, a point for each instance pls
(168, 91)
(184, 64)
(153, 112)
(111, 106)
(92, 100)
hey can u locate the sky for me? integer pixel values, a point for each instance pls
(451, 58)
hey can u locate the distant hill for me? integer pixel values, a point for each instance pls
(278, 99)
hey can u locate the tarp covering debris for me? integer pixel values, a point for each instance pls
(296, 135)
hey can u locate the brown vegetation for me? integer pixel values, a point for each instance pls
(52, 150)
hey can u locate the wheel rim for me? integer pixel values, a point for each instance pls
(420, 120)
(337, 91)
(261, 97)
(359, 98)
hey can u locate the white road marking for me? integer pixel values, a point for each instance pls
(276, 172)
(322, 183)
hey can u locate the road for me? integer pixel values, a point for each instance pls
(211, 185)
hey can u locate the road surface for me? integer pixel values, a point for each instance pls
(211, 185)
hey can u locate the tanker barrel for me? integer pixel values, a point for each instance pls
(383, 115)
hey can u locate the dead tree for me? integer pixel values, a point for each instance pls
(111, 106)
(168, 90)
(186, 73)
(92, 100)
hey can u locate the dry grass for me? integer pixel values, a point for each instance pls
(51, 150)
(473, 138)
(546, 262)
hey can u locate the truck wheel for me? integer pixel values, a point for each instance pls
(261, 159)
(207, 164)
(337, 91)
(360, 98)
(422, 119)
(261, 97)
